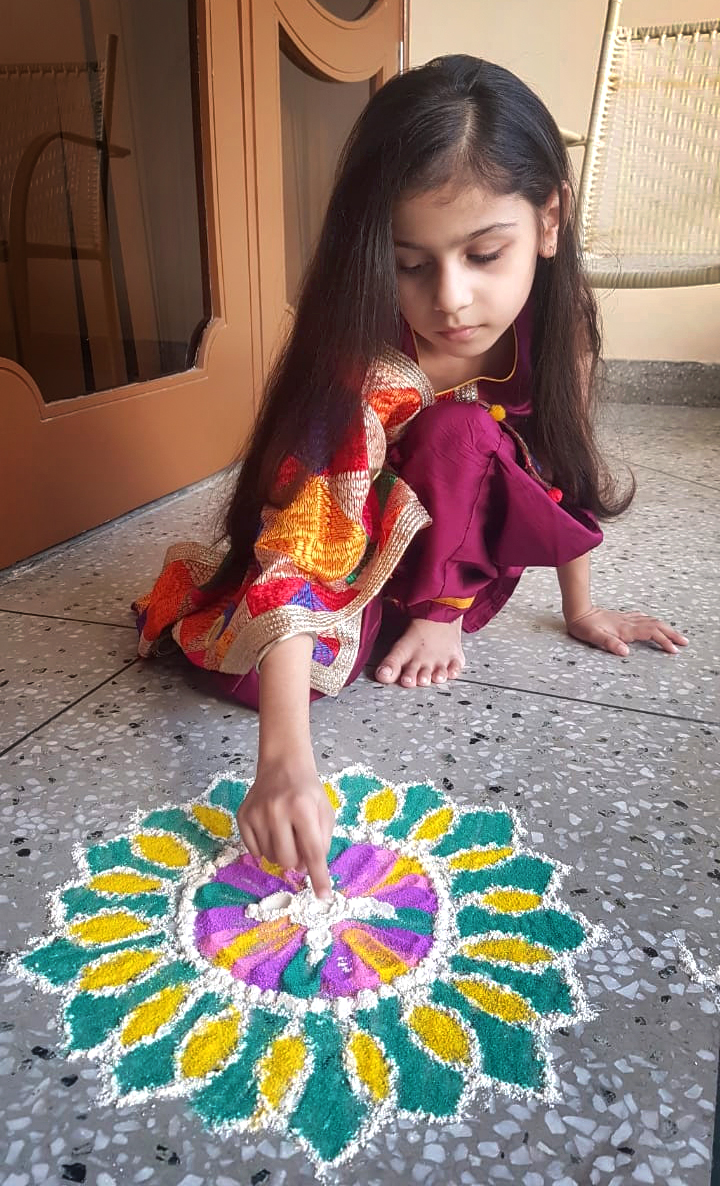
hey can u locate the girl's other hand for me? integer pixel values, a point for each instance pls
(287, 818)
(610, 630)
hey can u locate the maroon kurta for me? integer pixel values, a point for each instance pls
(490, 517)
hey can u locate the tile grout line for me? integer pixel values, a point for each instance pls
(473, 683)
(26, 613)
(664, 716)
(664, 474)
(648, 712)
(62, 711)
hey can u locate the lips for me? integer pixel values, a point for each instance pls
(458, 334)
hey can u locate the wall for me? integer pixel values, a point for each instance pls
(554, 47)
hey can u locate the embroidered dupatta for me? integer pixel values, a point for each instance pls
(318, 561)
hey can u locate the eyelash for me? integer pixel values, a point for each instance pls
(480, 260)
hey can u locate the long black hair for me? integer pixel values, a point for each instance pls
(455, 119)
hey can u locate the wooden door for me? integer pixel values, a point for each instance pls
(138, 369)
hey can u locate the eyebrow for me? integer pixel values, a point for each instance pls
(495, 226)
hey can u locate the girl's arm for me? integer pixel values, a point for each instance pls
(286, 816)
(607, 629)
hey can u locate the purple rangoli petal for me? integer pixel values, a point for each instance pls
(416, 897)
(246, 875)
(229, 919)
(344, 974)
(408, 944)
(360, 867)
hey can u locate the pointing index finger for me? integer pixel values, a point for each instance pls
(312, 854)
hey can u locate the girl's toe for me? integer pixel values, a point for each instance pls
(440, 674)
(409, 677)
(388, 670)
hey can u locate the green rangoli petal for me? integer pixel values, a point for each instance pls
(60, 961)
(407, 918)
(152, 1064)
(419, 800)
(546, 991)
(477, 828)
(338, 844)
(80, 900)
(549, 928)
(221, 893)
(232, 1095)
(423, 1084)
(118, 854)
(172, 819)
(301, 978)
(520, 872)
(228, 794)
(329, 1113)
(509, 1052)
(354, 788)
(90, 1018)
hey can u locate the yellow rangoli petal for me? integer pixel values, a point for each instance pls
(217, 822)
(381, 806)
(332, 795)
(119, 969)
(495, 1000)
(279, 1067)
(441, 1033)
(378, 957)
(147, 1019)
(124, 883)
(512, 950)
(163, 849)
(479, 859)
(435, 826)
(210, 1045)
(106, 928)
(511, 901)
(370, 1065)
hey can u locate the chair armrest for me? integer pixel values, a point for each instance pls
(572, 139)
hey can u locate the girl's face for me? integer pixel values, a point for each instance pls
(465, 263)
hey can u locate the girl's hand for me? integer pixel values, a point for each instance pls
(287, 818)
(610, 630)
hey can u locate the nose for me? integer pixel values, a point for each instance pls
(453, 291)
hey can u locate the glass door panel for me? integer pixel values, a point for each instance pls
(103, 259)
(317, 116)
(347, 10)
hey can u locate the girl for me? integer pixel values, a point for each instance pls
(425, 434)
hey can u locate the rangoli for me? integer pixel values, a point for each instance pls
(436, 972)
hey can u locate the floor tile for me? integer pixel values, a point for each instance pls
(630, 808)
(47, 664)
(683, 443)
(661, 558)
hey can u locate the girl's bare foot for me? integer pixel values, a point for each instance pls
(428, 652)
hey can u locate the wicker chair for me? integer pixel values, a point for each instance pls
(649, 200)
(54, 159)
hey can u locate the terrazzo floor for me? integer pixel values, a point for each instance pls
(612, 765)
